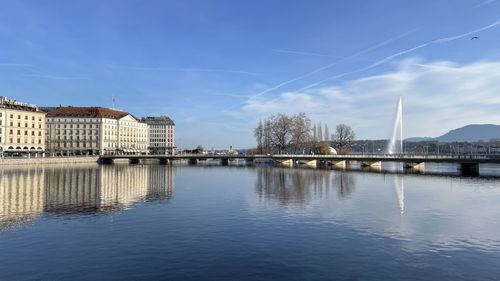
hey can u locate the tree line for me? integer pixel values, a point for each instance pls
(295, 134)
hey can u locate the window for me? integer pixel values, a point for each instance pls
(18, 116)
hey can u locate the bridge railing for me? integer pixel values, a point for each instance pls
(383, 156)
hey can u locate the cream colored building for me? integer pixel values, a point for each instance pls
(133, 135)
(161, 135)
(94, 130)
(22, 127)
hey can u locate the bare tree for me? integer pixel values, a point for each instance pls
(281, 131)
(301, 131)
(344, 136)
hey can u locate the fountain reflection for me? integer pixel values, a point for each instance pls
(400, 192)
(300, 186)
(26, 193)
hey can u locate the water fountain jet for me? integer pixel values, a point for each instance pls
(395, 145)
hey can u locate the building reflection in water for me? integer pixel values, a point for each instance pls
(22, 195)
(25, 193)
(300, 186)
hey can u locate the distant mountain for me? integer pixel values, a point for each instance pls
(475, 132)
(470, 133)
(415, 139)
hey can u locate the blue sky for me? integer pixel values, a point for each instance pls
(217, 67)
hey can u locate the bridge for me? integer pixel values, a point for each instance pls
(468, 163)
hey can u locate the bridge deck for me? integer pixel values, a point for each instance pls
(352, 157)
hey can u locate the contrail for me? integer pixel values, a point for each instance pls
(55, 77)
(305, 53)
(15, 64)
(393, 56)
(484, 3)
(330, 65)
(194, 70)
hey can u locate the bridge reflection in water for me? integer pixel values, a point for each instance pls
(26, 193)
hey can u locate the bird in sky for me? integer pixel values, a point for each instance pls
(475, 38)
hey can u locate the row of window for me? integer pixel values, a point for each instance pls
(25, 117)
(77, 126)
(11, 140)
(11, 124)
(69, 120)
(11, 132)
(77, 132)
(76, 138)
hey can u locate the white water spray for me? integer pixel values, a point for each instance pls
(400, 192)
(395, 145)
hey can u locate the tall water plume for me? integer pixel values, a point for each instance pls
(395, 145)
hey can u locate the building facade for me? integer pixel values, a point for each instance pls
(22, 127)
(161, 135)
(94, 131)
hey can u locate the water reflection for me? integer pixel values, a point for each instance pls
(25, 193)
(400, 192)
(300, 186)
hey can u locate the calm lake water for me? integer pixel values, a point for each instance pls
(152, 222)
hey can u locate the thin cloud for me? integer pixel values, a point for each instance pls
(231, 95)
(234, 71)
(367, 103)
(305, 53)
(55, 77)
(15, 64)
(364, 51)
(484, 3)
(399, 54)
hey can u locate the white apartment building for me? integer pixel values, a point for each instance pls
(161, 135)
(22, 127)
(94, 130)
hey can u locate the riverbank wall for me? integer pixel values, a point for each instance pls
(48, 160)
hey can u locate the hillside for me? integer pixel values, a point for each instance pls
(475, 132)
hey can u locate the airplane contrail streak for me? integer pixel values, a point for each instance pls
(393, 56)
(330, 65)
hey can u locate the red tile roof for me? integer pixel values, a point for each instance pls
(86, 112)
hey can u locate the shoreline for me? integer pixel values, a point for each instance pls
(49, 160)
